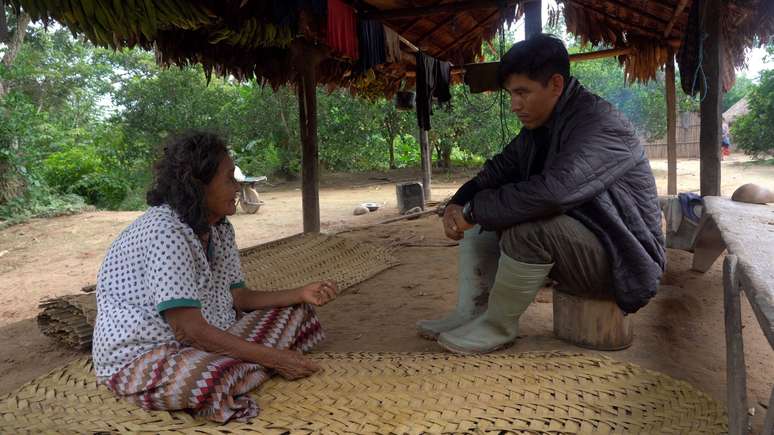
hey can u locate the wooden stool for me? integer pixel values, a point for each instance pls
(592, 323)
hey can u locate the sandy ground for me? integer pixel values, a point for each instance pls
(679, 333)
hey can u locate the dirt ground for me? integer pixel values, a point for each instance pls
(679, 333)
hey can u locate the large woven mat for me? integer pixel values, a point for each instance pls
(402, 393)
(281, 264)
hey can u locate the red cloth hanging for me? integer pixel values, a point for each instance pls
(342, 29)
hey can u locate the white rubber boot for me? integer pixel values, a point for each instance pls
(515, 287)
(478, 258)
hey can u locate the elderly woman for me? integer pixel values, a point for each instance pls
(170, 290)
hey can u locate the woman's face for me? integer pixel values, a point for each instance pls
(220, 193)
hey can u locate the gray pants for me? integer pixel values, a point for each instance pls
(581, 264)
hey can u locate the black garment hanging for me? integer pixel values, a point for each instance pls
(442, 78)
(370, 34)
(425, 86)
(433, 78)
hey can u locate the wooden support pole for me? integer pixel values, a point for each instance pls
(306, 60)
(671, 103)
(427, 162)
(533, 23)
(736, 375)
(712, 98)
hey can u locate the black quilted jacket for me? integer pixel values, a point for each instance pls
(596, 172)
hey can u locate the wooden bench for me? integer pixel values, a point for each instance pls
(747, 232)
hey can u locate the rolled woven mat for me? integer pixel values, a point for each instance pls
(280, 264)
(546, 392)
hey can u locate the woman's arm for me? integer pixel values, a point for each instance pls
(191, 329)
(317, 293)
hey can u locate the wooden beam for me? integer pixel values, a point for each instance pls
(427, 162)
(470, 34)
(447, 8)
(602, 54)
(671, 103)
(533, 24)
(712, 98)
(678, 10)
(577, 57)
(435, 28)
(306, 60)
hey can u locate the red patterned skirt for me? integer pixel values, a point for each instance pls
(173, 377)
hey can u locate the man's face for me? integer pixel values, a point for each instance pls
(532, 102)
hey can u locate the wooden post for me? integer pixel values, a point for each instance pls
(427, 162)
(712, 97)
(671, 103)
(533, 23)
(736, 382)
(306, 60)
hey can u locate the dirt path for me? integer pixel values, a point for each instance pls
(679, 333)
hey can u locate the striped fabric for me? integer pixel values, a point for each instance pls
(173, 377)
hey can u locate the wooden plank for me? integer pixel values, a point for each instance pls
(746, 231)
(736, 376)
(671, 103)
(712, 98)
(533, 23)
(306, 63)
(447, 8)
(427, 162)
(671, 24)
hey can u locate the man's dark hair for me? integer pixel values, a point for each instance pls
(188, 163)
(539, 58)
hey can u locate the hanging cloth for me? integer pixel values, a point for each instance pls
(426, 73)
(342, 29)
(391, 45)
(442, 77)
(433, 78)
(372, 51)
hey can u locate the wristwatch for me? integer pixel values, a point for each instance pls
(467, 212)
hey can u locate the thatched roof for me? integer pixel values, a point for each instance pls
(251, 38)
(740, 108)
(651, 26)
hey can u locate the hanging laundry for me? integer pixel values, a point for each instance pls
(425, 86)
(372, 50)
(391, 45)
(342, 29)
(442, 78)
(433, 77)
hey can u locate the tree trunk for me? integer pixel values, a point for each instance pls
(391, 141)
(14, 43)
(11, 182)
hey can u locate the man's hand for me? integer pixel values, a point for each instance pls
(318, 293)
(454, 224)
(292, 365)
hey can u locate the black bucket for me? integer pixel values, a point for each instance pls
(404, 100)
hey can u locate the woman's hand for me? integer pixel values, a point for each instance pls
(292, 365)
(318, 293)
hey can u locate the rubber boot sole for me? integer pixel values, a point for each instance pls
(462, 351)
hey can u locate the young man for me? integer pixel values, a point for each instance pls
(571, 197)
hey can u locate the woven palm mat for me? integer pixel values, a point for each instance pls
(281, 264)
(401, 393)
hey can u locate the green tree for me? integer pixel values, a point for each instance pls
(753, 131)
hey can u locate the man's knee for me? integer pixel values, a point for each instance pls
(522, 242)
